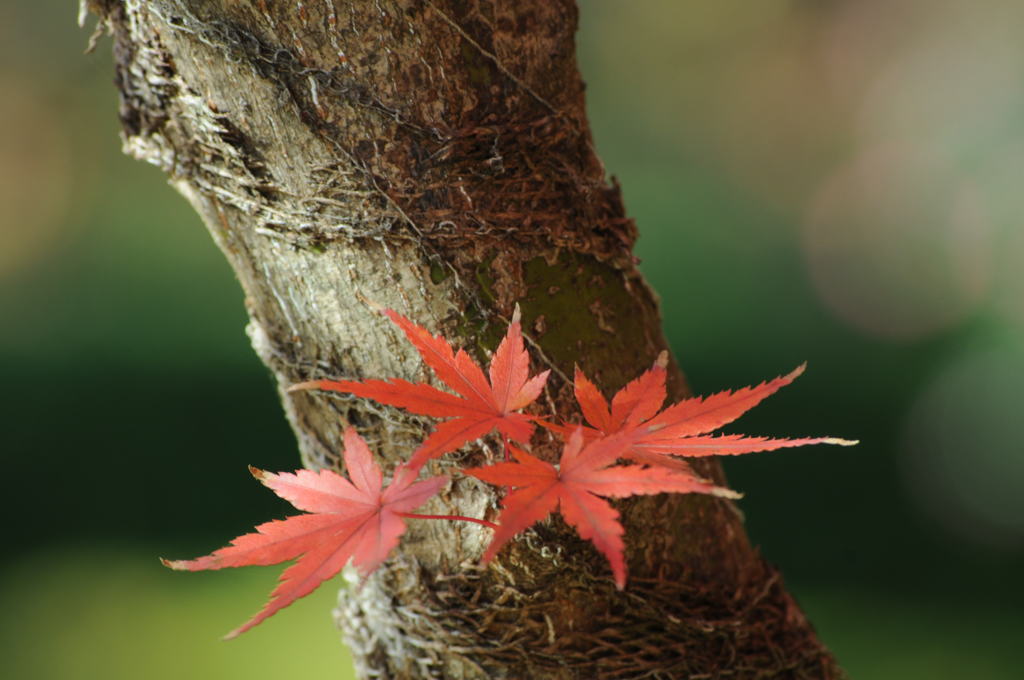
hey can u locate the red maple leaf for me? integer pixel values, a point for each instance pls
(478, 407)
(681, 429)
(358, 520)
(575, 486)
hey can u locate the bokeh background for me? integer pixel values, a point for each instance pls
(832, 181)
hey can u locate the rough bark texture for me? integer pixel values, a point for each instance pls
(434, 156)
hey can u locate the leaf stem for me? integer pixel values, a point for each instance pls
(482, 522)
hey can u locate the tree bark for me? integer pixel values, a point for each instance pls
(434, 156)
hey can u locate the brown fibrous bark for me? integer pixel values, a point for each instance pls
(434, 156)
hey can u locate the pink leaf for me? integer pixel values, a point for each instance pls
(358, 520)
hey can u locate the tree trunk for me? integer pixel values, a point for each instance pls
(434, 156)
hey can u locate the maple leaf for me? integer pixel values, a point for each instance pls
(478, 406)
(681, 429)
(358, 520)
(575, 487)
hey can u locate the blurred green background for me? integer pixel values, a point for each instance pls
(832, 181)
